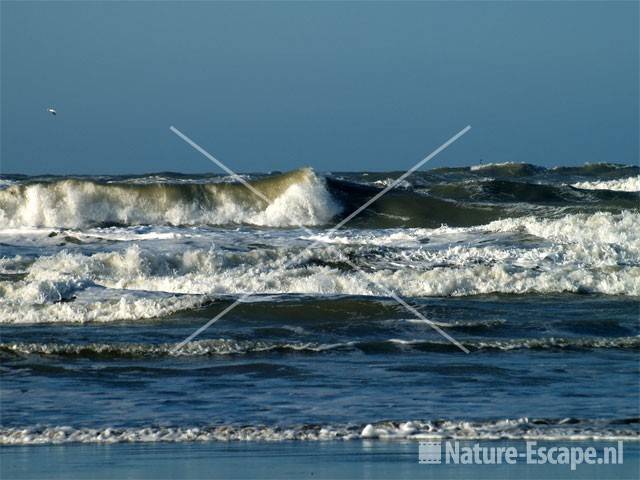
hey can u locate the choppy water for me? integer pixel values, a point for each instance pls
(535, 271)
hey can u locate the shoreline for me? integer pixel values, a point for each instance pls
(270, 460)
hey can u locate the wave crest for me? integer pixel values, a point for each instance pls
(295, 198)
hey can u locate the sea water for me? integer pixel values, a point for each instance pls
(534, 272)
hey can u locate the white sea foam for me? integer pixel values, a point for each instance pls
(226, 346)
(221, 346)
(597, 253)
(629, 184)
(599, 229)
(507, 429)
(67, 300)
(391, 181)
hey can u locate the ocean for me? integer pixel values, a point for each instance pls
(534, 271)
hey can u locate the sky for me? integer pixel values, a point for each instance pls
(335, 86)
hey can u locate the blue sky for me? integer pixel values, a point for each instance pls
(337, 86)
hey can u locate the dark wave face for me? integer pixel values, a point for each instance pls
(469, 196)
(474, 203)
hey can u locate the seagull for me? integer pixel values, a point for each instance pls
(52, 111)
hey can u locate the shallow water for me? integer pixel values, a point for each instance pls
(371, 460)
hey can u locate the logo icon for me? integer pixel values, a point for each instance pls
(430, 452)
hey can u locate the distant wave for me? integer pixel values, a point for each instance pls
(510, 168)
(566, 429)
(521, 169)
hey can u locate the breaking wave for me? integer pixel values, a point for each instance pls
(295, 198)
(567, 429)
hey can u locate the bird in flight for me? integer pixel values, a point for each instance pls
(52, 111)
